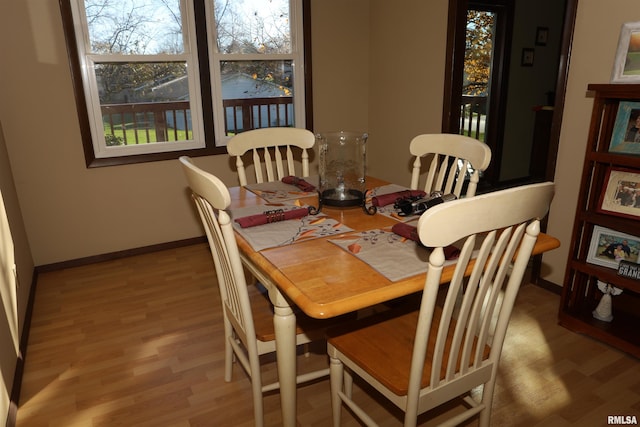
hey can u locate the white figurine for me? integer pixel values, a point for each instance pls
(603, 310)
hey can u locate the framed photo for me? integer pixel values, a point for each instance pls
(542, 35)
(609, 247)
(626, 68)
(527, 57)
(626, 129)
(621, 193)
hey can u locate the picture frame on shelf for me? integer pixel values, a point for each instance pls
(608, 247)
(625, 138)
(626, 67)
(620, 193)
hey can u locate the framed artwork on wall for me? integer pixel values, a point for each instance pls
(527, 57)
(542, 35)
(626, 67)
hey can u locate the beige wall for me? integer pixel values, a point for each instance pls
(407, 80)
(340, 63)
(358, 84)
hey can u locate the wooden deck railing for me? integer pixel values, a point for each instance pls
(141, 123)
(144, 122)
(254, 113)
(473, 115)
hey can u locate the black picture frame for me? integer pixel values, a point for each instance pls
(542, 36)
(527, 57)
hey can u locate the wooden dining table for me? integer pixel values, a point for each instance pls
(323, 280)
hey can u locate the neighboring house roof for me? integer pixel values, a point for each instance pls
(242, 86)
(234, 86)
(173, 90)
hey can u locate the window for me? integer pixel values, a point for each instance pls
(257, 65)
(156, 79)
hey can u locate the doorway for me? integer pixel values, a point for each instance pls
(484, 59)
(517, 85)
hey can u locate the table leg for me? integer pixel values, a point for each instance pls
(284, 321)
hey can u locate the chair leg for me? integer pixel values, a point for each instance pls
(348, 384)
(487, 400)
(336, 374)
(229, 358)
(256, 390)
(258, 414)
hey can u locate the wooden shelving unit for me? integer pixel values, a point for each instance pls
(580, 294)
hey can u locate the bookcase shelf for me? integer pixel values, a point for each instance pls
(580, 293)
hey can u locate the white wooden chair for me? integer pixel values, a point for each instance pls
(422, 359)
(452, 157)
(271, 146)
(248, 313)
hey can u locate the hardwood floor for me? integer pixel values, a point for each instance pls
(137, 342)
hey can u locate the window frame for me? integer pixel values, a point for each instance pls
(206, 96)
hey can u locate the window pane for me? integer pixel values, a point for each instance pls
(134, 27)
(144, 102)
(253, 26)
(257, 94)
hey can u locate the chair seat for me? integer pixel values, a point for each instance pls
(262, 310)
(382, 345)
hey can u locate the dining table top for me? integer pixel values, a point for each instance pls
(324, 280)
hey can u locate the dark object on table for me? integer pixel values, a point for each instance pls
(417, 207)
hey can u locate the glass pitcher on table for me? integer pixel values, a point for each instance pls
(342, 167)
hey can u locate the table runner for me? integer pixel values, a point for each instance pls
(285, 232)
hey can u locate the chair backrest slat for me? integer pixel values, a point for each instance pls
(452, 158)
(271, 146)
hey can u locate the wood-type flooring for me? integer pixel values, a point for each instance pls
(138, 342)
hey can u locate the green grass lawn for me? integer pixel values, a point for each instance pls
(145, 136)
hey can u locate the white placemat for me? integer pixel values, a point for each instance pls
(285, 232)
(388, 210)
(391, 255)
(278, 191)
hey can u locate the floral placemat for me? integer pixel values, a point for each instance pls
(286, 232)
(391, 255)
(278, 191)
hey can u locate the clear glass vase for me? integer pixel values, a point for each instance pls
(342, 165)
